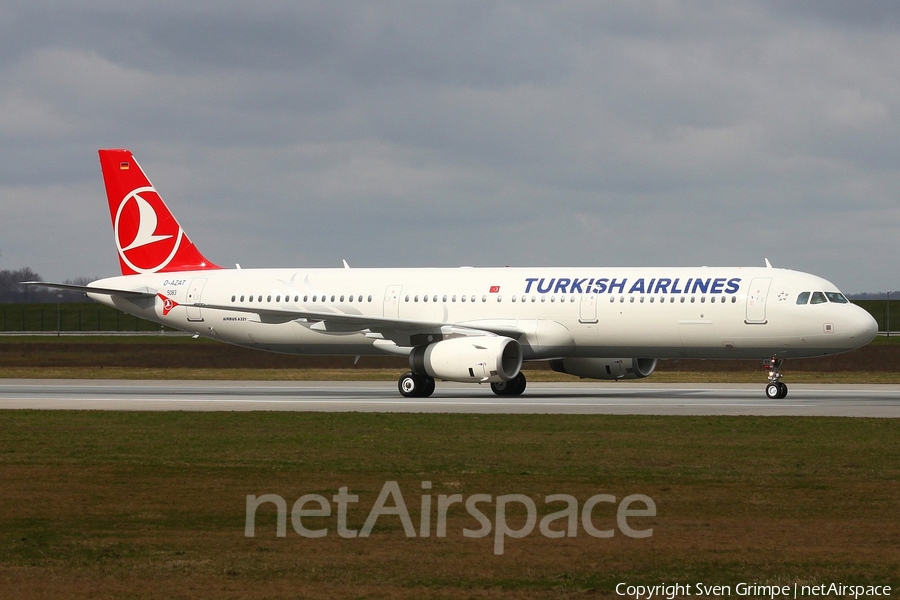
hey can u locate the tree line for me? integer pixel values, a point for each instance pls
(13, 292)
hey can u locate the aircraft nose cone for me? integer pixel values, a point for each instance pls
(862, 327)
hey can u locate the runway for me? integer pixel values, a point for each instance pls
(539, 398)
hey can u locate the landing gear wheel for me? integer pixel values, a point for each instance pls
(513, 387)
(415, 386)
(409, 384)
(501, 388)
(776, 390)
(428, 388)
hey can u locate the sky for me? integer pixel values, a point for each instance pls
(299, 134)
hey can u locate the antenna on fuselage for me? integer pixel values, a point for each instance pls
(768, 264)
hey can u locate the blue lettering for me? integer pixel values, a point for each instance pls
(638, 286)
(733, 285)
(561, 285)
(541, 289)
(600, 287)
(717, 285)
(662, 286)
(701, 286)
(675, 289)
(529, 281)
(576, 285)
(621, 285)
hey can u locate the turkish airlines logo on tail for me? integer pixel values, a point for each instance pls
(145, 242)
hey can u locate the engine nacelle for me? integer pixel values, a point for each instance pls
(605, 368)
(469, 359)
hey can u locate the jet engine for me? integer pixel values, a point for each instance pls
(469, 359)
(605, 368)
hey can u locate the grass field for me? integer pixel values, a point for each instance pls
(105, 504)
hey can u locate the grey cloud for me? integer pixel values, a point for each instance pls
(466, 133)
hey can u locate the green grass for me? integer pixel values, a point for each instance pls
(137, 504)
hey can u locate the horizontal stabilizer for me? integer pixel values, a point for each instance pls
(87, 289)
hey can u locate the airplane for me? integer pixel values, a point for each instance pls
(471, 325)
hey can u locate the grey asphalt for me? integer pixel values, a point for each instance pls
(875, 400)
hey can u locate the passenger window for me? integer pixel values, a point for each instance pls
(836, 297)
(818, 298)
(803, 298)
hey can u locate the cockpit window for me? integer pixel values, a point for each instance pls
(818, 298)
(836, 297)
(803, 298)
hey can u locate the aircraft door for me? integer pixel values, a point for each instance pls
(392, 301)
(195, 290)
(756, 300)
(588, 311)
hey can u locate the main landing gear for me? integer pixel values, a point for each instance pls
(775, 389)
(412, 385)
(513, 387)
(415, 386)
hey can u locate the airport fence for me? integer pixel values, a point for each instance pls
(71, 317)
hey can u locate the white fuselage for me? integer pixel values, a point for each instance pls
(562, 312)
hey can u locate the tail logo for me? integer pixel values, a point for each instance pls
(145, 242)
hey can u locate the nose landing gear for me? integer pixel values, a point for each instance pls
(775, 389)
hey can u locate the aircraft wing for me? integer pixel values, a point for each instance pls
(346, 323)
(139, 293)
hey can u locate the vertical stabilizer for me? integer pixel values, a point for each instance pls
(148, 238)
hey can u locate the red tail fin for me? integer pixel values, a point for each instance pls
(148, 237)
